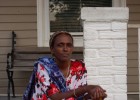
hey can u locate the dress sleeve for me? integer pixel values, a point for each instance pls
(78, 75)
(44, 82)
(83, 74)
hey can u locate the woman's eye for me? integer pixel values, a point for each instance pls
(65, 45)
(60, 45)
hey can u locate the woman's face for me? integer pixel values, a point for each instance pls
(62, 48)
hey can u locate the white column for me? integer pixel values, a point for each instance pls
(105, 49)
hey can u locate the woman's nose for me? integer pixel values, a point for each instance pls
(65, 48)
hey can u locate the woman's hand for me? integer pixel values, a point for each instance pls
(96, 92)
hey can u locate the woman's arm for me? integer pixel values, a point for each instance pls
(94, 92)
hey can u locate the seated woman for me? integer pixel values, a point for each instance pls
(60, 77)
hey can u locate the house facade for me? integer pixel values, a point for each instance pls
(25, 17)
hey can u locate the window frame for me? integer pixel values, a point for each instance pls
(43, 33)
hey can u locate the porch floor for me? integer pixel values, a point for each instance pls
(130, 97)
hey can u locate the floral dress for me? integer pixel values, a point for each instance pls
(45, 87)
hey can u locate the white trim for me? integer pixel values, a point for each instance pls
(72, 33)
(47, 23)
(133, 25)
(43, 26)
(133, 92)
(118, 3)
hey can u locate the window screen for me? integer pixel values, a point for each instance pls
(65, 14)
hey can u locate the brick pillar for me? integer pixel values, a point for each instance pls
(105, 49)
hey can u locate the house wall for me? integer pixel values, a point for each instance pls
(133, 71)
(20, 16)
(134, 9)
(134, 18)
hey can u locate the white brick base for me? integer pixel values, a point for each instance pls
(105, 49)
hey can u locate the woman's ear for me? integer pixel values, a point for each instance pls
(52, 51)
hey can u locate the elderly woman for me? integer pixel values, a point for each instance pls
(60, 77)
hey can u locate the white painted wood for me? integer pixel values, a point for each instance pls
(133, 25)
(43, 26)
(107, 49)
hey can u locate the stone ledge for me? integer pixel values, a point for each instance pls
(105, 13)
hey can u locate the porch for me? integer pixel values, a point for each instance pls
(130, 97)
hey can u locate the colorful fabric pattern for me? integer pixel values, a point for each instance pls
(49, 80)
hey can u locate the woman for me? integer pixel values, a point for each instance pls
(61, 78)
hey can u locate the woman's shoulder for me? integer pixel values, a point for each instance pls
(78, 65)
(45, 60)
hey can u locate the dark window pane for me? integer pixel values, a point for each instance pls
(65, 14)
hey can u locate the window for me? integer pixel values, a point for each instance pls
(58, 15)
(65, 14)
